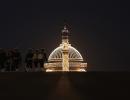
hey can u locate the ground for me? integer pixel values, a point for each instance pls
(64, 86)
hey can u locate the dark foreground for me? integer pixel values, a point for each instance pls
(65, 86)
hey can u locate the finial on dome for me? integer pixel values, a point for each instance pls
(65, 34)
(65, 27)
(65, 30)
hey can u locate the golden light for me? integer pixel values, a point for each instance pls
(65, 57)
(49, 70)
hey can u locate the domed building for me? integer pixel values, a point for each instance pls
(65, 57)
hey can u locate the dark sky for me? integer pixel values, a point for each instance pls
(99, 28)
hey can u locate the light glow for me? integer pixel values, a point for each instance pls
(65, 57)
(49, 70)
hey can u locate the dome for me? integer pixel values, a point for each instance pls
(56, 55)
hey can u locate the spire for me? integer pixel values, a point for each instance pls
(65, 30)
(66, 26)
(65, 34)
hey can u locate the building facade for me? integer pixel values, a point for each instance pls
(65, 57)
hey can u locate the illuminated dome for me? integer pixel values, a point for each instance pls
(65, 57)
(56, 55)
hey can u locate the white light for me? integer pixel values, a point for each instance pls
(81, 70)
(49, 70)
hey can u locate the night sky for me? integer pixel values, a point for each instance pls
(99, 29)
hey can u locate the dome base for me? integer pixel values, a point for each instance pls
(57, 67)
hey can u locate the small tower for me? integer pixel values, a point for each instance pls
(65, 35)
(65, 49)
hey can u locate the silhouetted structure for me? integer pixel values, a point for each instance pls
(42, 57)
(11, 60)
(17, 59)
(2, 58)
(35, 58)
(29, 59)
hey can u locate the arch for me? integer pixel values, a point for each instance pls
(56, 54)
